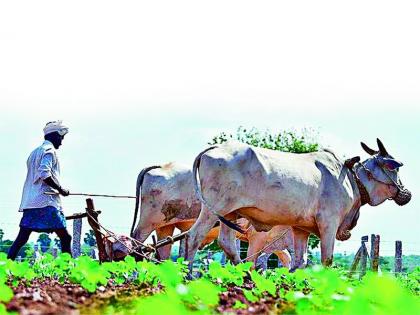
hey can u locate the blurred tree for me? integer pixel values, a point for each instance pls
(45, 242)
(1, 235)
(286, 141)
(5, 245)
(57, 243)
(89, 238)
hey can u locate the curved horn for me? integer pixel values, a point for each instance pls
(381, 147)
(367, 149)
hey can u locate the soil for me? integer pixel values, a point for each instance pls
(51, 297)
(48, 297)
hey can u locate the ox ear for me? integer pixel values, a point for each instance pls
(390, 164)
(382, 150)
(367, 149)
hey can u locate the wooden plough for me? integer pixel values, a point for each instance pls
(115, 247)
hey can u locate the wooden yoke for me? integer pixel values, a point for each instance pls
(92, 217)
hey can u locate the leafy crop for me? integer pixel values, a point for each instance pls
(310, 291)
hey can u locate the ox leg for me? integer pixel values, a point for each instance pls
(227, 241)
(162, 232)
(300, 246)
(284, 258)
(197, 233)
(254, 249)
(327, 245)
(141, 233)
(327, 232)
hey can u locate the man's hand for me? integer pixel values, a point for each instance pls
(64, 192)
(54, 184)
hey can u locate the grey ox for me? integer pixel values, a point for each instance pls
(167, 200)
(312, 192)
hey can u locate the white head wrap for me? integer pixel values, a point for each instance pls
(56, 126)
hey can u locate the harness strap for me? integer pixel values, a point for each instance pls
(364, 195)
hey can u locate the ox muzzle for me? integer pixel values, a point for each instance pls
(402, 197)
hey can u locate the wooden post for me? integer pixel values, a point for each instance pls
(77, 231)
(355, 262)
(375, 253)
(361, 256)
(363, 260)
(398, 257)
(93, 222)
(372, 246)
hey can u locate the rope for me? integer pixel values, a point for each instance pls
(268, 245)
(130, 250)
(90, 195)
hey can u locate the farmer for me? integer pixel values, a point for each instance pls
(42, 212)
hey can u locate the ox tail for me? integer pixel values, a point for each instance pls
(198, 193)
(140, 179)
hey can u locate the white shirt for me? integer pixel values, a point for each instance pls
(42, 163)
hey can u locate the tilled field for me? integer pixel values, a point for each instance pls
(83, 286)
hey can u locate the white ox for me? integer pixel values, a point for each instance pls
(168, 201)
(313, 192)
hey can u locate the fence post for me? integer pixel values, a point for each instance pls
(363, 260)
(374, 256)
(372, 246)
(398, 257)
(361, 256)
(77, 231)
(355, 262)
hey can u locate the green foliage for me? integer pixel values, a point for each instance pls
(239, 305)
(286, 141)
(45, 241)
(411, 281)
(228, 274)
(310, 291)
(5, 245)
(89, 238)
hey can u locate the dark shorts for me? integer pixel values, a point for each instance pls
(45, 219)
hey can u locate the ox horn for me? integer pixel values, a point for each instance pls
(381, 147)
(367, 149)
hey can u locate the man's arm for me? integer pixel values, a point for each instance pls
(54, 184)
(44, 170)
